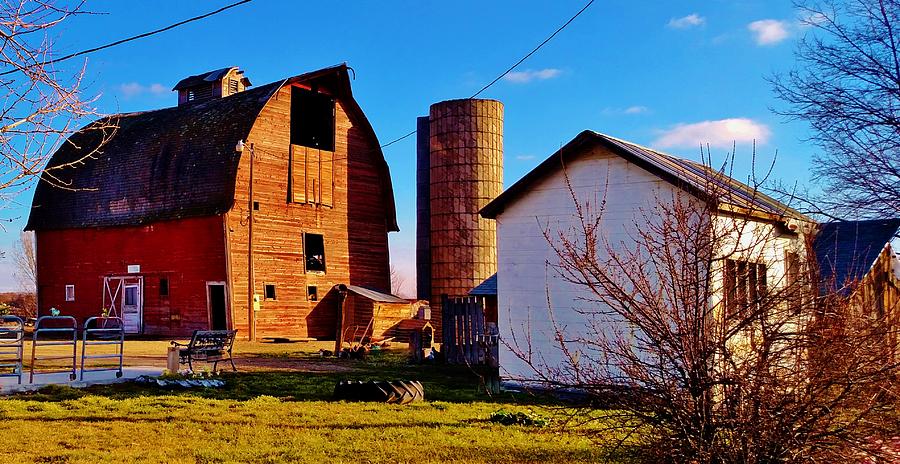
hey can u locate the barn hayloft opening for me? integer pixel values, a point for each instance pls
(209, 85)
(312, 119)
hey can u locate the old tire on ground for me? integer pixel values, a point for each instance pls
(396, 392)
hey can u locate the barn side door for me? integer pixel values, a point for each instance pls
(124, 297)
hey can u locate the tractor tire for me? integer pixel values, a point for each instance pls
(397, 392)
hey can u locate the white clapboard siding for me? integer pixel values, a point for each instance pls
(526, 278)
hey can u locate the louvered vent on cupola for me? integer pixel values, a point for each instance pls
(209, 85)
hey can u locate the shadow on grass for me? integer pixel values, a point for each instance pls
(315, 382)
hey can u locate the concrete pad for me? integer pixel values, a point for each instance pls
(9, 385)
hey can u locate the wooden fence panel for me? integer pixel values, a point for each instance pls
(464, 331)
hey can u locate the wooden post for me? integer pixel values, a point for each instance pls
(446, 317)
(172, 360)
(251, 315)
(340, 320)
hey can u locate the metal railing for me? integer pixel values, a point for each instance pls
(12, 346)
(65, 328)
(103, 331)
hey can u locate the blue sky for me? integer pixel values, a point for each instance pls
(659, 73)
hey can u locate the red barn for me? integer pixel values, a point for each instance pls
(177, 218)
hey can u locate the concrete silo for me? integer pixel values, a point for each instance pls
(459, 171)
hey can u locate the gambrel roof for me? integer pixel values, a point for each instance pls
(689, 175)
(171, 163)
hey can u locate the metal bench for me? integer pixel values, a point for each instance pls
(211, 346)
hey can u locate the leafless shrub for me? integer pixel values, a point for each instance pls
(397, 281)
(707, 328)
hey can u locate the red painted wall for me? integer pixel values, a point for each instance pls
(188, 252)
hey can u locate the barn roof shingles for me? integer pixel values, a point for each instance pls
(166, 164)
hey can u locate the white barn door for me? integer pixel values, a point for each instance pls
(124, 297)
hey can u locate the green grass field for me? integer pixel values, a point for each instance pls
(277, 409)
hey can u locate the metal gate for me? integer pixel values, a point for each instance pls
(12, 344)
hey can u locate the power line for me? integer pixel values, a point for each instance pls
(522, 60)
(533, 51)
(399, 139)
(136, 37)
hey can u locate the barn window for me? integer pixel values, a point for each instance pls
(312, 119)
(255, 206)
(745, 286)
(314, 250)
(163, 287)
(70, 293)
(232, 86)
(270, 291)
(313, 293)
(131, 295)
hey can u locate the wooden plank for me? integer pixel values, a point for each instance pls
(479, 329)
(465, 328)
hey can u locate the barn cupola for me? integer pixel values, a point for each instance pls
(209, 85)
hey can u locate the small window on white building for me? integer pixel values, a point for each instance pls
(70, 293)
(745, 287)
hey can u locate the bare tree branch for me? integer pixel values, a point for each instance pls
(847, 87)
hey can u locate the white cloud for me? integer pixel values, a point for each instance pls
(528, 75)
(687, 22)
(769, 31)
(636, 109)
(722, 133)
(630, 111)
(525, 157)
(134, 89)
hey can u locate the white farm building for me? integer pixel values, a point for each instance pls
(533, 301)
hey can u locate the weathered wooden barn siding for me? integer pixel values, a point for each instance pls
(362, 310)
(878, 296)
(188, 252)
(354, 227)
(386, 315)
